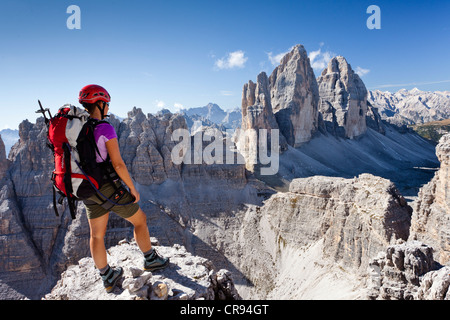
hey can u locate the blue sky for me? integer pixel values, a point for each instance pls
(173, 54)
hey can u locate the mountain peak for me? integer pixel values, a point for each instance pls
(415, 91)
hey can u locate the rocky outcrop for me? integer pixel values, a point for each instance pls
(28, 227)
(187, 277)
(374, 120)
(295, 102)
(413, 270)
(287, 102)
(435, 285)
(256, 105)
(431, 219)
(146, 143)
(257, 114)
(346, 213)
(295, 96)
(407, 271)
(343, 97)
(290, 94)
(338, 224)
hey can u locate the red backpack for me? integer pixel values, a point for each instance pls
(77, 175)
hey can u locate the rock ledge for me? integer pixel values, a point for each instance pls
(188, 277)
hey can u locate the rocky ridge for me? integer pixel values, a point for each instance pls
(408, 271)
(187, 277)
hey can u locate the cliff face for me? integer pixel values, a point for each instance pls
(28, 231)
(343, 102)
(287, 102)
(431, 219)
(4, 163)
(146, 144)
(257, 114)
(330, 221)
(295, 97)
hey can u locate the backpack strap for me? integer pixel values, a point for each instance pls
(68, 173)
(109, 203)
(72, 206)
(92, 123)
(68, 180)
(54, 202)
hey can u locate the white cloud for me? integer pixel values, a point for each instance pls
(319, 60)
(226, 93)
(275, 59)
(160, 104)
(236, 59)
(178, 106)
(361, 72)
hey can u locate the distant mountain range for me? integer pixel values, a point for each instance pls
(213, 114)
(404, 107)
(9, 137)
(411, 106)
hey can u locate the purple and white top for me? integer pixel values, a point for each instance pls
(103, 133)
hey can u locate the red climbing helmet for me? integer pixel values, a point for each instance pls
(93, 93)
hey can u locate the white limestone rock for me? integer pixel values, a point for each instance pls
(187, 277)
(343, 99)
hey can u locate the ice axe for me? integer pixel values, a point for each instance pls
(43, 111)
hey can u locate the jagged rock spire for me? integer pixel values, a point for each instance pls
(295, 97)
(343, 102)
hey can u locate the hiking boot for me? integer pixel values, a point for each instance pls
(111, 277)
(153, 261)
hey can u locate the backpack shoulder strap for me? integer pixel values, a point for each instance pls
(93, 123)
